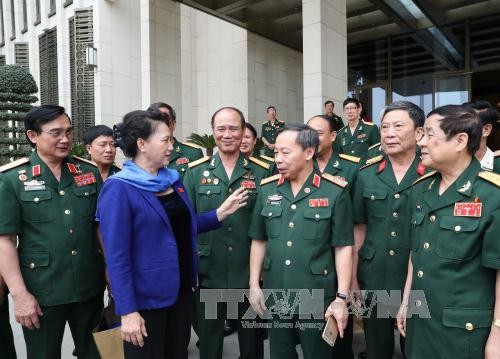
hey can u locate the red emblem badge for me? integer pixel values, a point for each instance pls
(36, 170)
(281, 180)
(381, 166)
(316, 180)
(72, 168)
(85, 179)
(182, 161)
(467, 209)
(180, 189)
(248, 184)
(420, 169)
(362, 135)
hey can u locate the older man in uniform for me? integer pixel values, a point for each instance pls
(381, 230)
(357, 136)
(184, 152)
(56, 273)
(302, 237)
(269, 130)
(224, 253)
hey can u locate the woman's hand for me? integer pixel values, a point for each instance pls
(134, 329)
(235, 201)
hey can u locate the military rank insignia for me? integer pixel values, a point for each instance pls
(274, 200)
(318, 202)
(85, 179)
(34, 185)
(467, 209)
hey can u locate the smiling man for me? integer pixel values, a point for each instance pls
(56, 273)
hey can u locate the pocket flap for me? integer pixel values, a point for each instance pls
(267, 263)
(459, 224)
(374, 194)
(208, 190)
(464, 317)
(317, 213)
(318, 267)
(366, 252)
(85, 191)
(35, 196)
(34, 259)
(417, 218)
(271, 211)
(204, 250)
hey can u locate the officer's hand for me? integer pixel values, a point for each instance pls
(492, 349)
(232, 203)
(401, 319)
(27, 310)
(257, 301)
(338, 308)
(134, 328)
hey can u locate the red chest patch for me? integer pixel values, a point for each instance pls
(85, 179)
(182, 161)
(318, 202)
(467, 209)
(248, 184)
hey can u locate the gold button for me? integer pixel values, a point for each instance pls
(325, 272)
(67, 211)
(432, 218)
(183, 169)
(316, 216)
(70, 231)
(426, 245)
(208, 192)
(393, 234)
(229, 229)
(36, 199)
(32, 265)
(418, 303)
(61, 192)
(397, 196)
(307, 190)
(469, 327)
(229, 248)
(293, 206)
(395, 214)
(391, 252)
(288, 262)
(420, 274)
(270, 214)
(86, 193)
(74, 253)
(291, 225)
(289, 243)
(372, 197)
(458, 228)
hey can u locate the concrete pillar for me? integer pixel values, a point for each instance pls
(325, 54)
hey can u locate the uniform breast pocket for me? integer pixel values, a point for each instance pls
(87, 200)
(458, 238)
(272, 217)
(36, 206)
(375, 204)
(208, 197)
(316, 223)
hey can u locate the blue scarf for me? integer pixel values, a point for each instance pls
(137, 177)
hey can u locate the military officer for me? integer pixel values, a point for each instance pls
(381, 230)
(455, 258)
(331, 116)
(56, 273)
(184, 152)
(7, 348)
(269, 130)
(101, 147)
(302, 237)
(224, 253)
(355, 138)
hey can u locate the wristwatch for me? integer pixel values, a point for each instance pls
(496, 322)
(342, 295)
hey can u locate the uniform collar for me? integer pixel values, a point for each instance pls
(310, 186)
(488, 160)
(241, 168)
(333, 166)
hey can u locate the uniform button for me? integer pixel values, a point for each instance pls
(183, 169)
(352, 150)
(208, 192)
(36, 199)
(230, 190)
(393, 234)
(316, 216)
(70, 231)
(426, 245)
(395, 214)
(397, 196)
(293, 206)
(288, 262)
(432, 218)
(458, 228)
(270, 214)
(32, 265)
(391, 252)
(74, 253)
(61, 192)
(420, 274)
(67, 211)
(469, 327)
(372, 197)
(229, 229)
(291, 225)
(230, 249)
(418, 303)
(86, 193)
(289, 243)
(325, 272)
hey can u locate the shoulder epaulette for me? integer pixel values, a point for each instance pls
(490, 177)
(259, 162)
(14, 164)
(267, 158)
(84, 160)
(373, 146)
(430, 174)
(265, 122)
(197, 162)
(191, 144)
(496, 153)
(371, 161)
(368, 123)
(343, 128)
(334, 179)
(350, 158)
(270, 179)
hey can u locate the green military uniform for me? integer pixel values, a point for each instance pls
(336, 120)
(381, 203)
(269, 132)
(224, 253)
(272, 165)
(59, 256)
(301, 232)
(356, 144)
(373, 151)
(182, 155)
(455, 256)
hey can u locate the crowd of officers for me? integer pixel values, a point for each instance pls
(412, 206)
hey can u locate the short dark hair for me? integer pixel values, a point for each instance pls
(485, 110)
(157, 105)
(270, 107)
(242, 117)
(307, 137)
(413, 111)
(457, 119)
(328, 102)
(351, 100)
(95, 131)
(39, 116)
(327, 119)
(135, 125)
(251, 128)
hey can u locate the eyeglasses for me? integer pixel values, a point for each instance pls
(346, 109)
(60, 133)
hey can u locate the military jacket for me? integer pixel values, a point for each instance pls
(224, 253)
(269, 132)
(58, 250)
(381, 203)
(455, 256)
(344, 167)
(182, 155)
(301, 230)
(365, 135)
(336, 120)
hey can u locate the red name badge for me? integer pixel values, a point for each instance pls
(467, 209)
(318, 202)
(85, 179)
(248, 184)
(182, 161)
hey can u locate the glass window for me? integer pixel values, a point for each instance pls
(417, 90)
(52, 8)
(13, 19)
(2, 30)
(25, 17)
(451, 90)
(37, 12)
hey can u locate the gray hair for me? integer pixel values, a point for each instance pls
(307, 137)
(414, 112)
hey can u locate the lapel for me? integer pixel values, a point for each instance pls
(411, 175)
(66, 175)
(334, 165)
(386, 174)
(45, 172)
(155, 203)
(308, 188)
(177, 152)
(217, 169)
(242, 167)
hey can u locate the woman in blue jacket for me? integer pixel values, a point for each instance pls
(149, 231)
